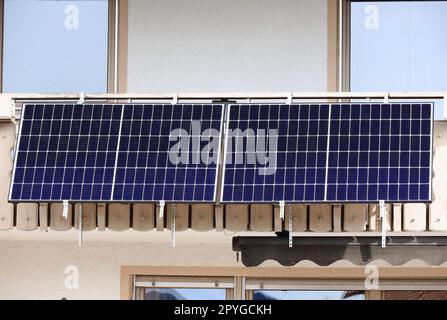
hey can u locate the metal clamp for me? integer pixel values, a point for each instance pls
(13, 109)
(174, 98)
(65, 209)
(162, 209)
(383, 214)
(282, 204)
(81, 98)
(290, 98)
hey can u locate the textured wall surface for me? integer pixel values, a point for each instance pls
(34, 269)
(227, 45)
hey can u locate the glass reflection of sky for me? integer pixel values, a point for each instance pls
(191, 294)
(42, 55)
(403, 51)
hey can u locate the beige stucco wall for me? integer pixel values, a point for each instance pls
(227, 45)
(32, 264)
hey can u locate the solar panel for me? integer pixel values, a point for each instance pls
(328, 153)
(286, 154)
(66, 152)
(169, 152)
(380, 152)
(135, 152)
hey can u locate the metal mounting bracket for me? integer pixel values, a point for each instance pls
(383, 214)
(174, 98)
(81, 98)
(290, 227)
(80, 226)
(162, 209)
(65, 209)
(282, 205)
(290, 98)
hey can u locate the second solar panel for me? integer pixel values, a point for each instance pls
(328, 153)
(275, 153)
(168, 152)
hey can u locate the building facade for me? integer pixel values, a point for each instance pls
(125, 51)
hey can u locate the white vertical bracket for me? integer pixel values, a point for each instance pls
(290, 98)
(386, 98)
(173, 225)
(282, 205)
(174, 98)
(162, 209)
(13, 110)
(65, 209)
(290, 227)
(81, 98)
(80, 226)
(383, 216)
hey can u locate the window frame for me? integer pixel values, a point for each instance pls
(175, 282)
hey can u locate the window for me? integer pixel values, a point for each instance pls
(55, 46)
(184, 294)
(268, 284)
(399, 46)
(183, 288)
(307, 295)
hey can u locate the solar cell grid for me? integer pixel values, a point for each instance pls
(291, 142)
(380, 152)
(145, 170)
(359, 152)
(333, 153)
(96, 152)
(66, 152)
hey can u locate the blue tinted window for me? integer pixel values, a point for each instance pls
(55, 46)
(184, 294)
(399, 46)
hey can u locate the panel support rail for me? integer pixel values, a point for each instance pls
(289, 97)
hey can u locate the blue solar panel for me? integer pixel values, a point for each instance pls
(380, 152)
(150, 164)
(66, 152)
(328, 153)
(294, 153)
(286, 154)
(128, 153)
